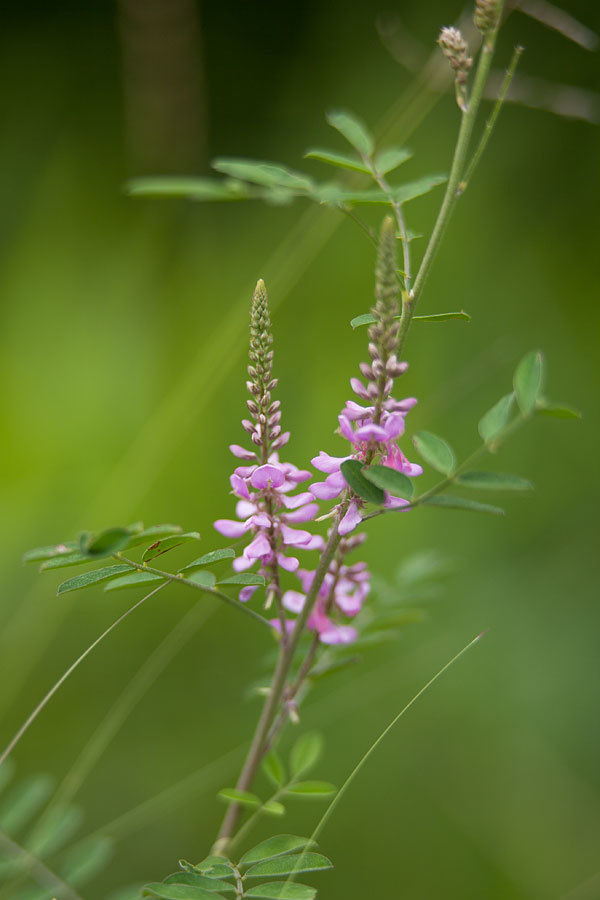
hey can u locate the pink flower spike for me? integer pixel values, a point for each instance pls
(350, 520)
(241, 452)
(267, 476)
(346, 429)
(359, 388)
(260, 546)
(354, 411)
(289, 563)
(244, 509)
(350, 604)
(246, 592)
(260, 520)
(241, 563)
(338, 634)
(371, 432)
(328, 464)
(244, 471)
(304, 514)
(294, 538)
(229, 528)
(395, 502)
(394, 425)
(239, 486)
(317, 542)
(297, 500)
(293, 601)
(325, 490)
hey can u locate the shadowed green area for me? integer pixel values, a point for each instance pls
(122, 360)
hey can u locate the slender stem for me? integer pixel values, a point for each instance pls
(42, 874)
(453, 190)
(273, 699)
(381, 180)
(204, 588)
(58, 684)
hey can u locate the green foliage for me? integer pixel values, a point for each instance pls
(311, 788)
(281, 890)
(275, 846)
(369, 318)
(285, 865)
(210, 558)
(354, 476)
(305, 752)
(528, 381)
(273, 768)
(135, 578)
(244, 578)
(435, 451)
(338, 160)
(244, 798)
(23, 801)
(355, 131)
(493, 423)
(106, 543)
(169, 543)
(494, 481)
(90, 578)
(396, 483)
(389, 159)
(447, 502)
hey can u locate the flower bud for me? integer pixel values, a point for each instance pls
(486, 15)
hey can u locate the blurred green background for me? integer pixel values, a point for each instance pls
(122, 363)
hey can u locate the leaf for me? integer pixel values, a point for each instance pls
(196, 879)
(178, 892)
(496, 419)
(412, 189)
(212, 867)
(244, 578)
(209, 558)
(61, 561)
(133, 579)
(39, 554)
(323, 669)
(494, 481)
(306, 752)
(355, 132)
(285, 865)
(273, 847)
(435, 451)
(400, 193)
(352, 471)
(190, 188)
(528, 381)
(244, 798)
(338, 160)
(54, 829)
(558, 411)
(273, 768)
(273, 808)
(168, 543)
(391, 158)
(262, 172)
(206, 579)
(23, 802)
(154, 532)
(83, 861)
(282, 890)
(90, 578)
(396, 483)
(308, 788)
(369, 318)
(462, 503)
(108, 542)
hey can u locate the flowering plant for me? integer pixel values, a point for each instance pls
(301, 584)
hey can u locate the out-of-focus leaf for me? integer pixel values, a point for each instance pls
(54, 829)
(369, 318)
(63, 560)
(435, 451)
(178, 892)
(275, 846)
(135, 578)
(448, 502)
(400, 193)
(107, 542)
(282, 890)
(90, 578)
(273, 808)
(208, 559)
(390, 159)
(355, 132)
(262, 172)
(305, 752)
(212, 867)
(312, 788)
(154, 532)
(85, 860)
(494, 481)
(196, 879)
(337, 159)
(190, 188)
(391, 480)
(528, 381)
(206, 579)
(273, 768)
(168, 543)
(244, 578)
(496, 419)
(285, 865)
(353, 474)
(323, 669)
(23, 801)
(557, 411)
(244, 798)
(40, 554)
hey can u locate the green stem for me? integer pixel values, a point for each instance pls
(453, 190)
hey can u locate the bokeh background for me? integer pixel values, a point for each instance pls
(122, 353)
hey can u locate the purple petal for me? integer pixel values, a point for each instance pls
(297, 500)
(230, 529)
(257, 548)
(267, 476)
(244, 509)
(239, 486)
(316, 542)
(260, 520)
(346, 429)
(350, 520)
(244, 471)
(359, 388)
(394, 425)
(395, 502)
(371, 432)
(324, 491)
(241, 452)
(289, 563)
(338, 634)
(304, 514)
(246, 592)
(289, 625)
(292, 537)
(350, 604)
(293, 601)
(241, 563)
(355, 411)
(328, 464)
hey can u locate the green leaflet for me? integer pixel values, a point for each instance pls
(264, 173)
(311, 788)
(402, 193)
(337, 159)
(273, 768)
(179, 892)
(494, 481)
(222, 189)
(54, 829)
(162, 546)
(353, 474)
(244, 578)
(275, 846)
(83, 861)
(396, 483)
(154, 532)
(273, 808)
(305, 752)
(369, 318)
(206, 579)
(285, 865)
(527, 381)
(90, 578)
(23, 801)
(435, 451)
(391, 158)
(106, 543)
(209, 558)
(244, 798)
(196, 879)
(496, 419)
(448, 502)
(355, 132)
(135, 578)
(557, 411)
(40, 554)
(282, 890)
